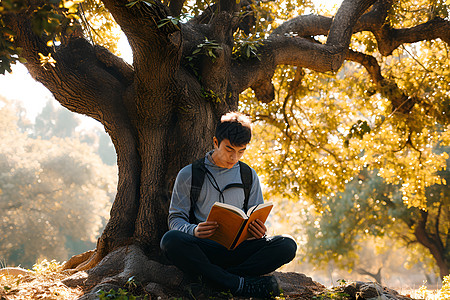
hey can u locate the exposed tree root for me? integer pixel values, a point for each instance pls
(88, 259)
(166, 282)
(77, 260)
(122, 264)
(12, 271)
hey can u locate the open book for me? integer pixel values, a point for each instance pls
(233, 222)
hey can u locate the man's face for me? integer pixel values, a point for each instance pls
(226, 155)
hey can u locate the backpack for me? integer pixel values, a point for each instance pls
(199, 171)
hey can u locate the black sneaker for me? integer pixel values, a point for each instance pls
(196, 291)
(260, 287)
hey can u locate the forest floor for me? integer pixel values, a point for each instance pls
(45, 282)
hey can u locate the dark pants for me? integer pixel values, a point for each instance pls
(223, 267)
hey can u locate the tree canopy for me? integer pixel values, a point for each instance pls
(355, 145)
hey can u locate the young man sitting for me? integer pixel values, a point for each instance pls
(186, 244)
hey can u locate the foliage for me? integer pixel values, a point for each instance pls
(246, 47)
(334, 292)
(43, 282)
(52, 20)
(173, 20)
(48, 21)
(442, 293)
(207, 48)
(65, 210)
(362, 173)
(99, 25)
(370, 207)
(46, 267)
(335, 140)
(128, 292)
(332, 295)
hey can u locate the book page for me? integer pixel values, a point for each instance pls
(232, 209)
(229, 224)
(261, 213)
(259, 206)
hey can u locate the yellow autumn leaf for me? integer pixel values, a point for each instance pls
(68, 4)
(46, 59)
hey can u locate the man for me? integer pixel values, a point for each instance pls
(186, 244)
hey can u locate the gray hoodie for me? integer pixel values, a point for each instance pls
(180, 203)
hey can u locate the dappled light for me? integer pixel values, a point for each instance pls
(350, 103)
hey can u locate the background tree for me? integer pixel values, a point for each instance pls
(54, 195)
(370, 207)
(55, 121)
(161, 110)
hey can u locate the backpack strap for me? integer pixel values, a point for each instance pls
(198, 177)
(247, 181)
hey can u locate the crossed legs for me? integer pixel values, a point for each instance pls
(223, 267)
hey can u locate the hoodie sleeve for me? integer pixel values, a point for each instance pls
(180, 203)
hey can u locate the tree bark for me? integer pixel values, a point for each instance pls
(157, 112)
(432, 243)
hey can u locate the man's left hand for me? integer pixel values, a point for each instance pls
(257, 229)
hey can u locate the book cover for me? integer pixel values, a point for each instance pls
(233, 222)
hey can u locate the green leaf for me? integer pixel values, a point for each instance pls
(131, 4)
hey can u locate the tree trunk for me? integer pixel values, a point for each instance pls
(432, 243)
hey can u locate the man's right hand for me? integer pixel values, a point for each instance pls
(205, 229)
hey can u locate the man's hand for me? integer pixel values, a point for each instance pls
(257, 229)
(205, 229)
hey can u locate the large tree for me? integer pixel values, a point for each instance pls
(161, 110)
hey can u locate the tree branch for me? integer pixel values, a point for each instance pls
(290, 44)
(376, 276)
(369, 62)
(278, 50)
(175, 7)
(305, 26)
(206, 16)
(389, 39)
(230, 6)
(283, 47)
(341, 29)
(146, 25)
(388, 88)
(81, 87)
(116, 66)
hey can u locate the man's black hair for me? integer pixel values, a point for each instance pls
(235, 127)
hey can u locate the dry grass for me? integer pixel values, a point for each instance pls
(43, 282)
(429, 294)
